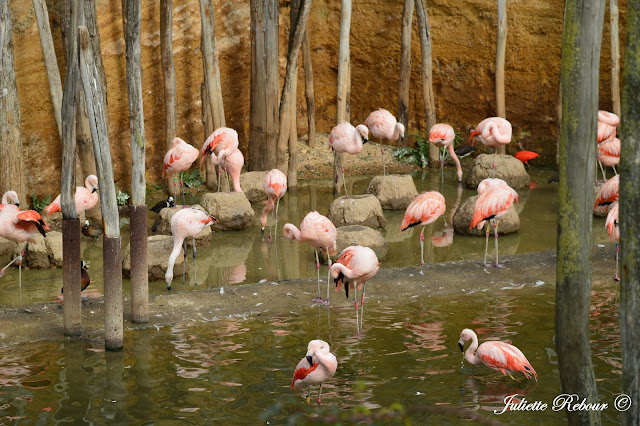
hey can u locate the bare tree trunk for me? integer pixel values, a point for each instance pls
(427, 76)
(207, 124)
(405, 65)
(292, 175)
(308, 90)
(582, 38)
(210, 59)
(169, 73)
(342, 94)
(615, 57)
(629, 219)
(263, 126)
(501, 47)
(112, 253)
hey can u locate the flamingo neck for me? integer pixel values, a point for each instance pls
(345, 271)
(492, 129)
(5, 198)
(265, 211)
(291, 232)
(470, 354)
(177, 245)
(396, 133)
(455, 159)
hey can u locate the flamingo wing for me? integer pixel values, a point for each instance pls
(611, 148)
(341, 137)
(29, 219)
(612, 223)
(170, 157)
(381, 123)
(302, 372)
(423, 209)
(345, 259)
(441, 134)
(608, 193)
(505, 358)
(495, 201)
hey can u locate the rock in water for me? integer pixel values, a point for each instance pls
(44, 253)
(394, 192)
(462, 219)
(252, 185)
(508, 168)
(164, 226)
(362, 210)
(159, 248)
(233, 210)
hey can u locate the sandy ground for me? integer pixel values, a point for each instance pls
(45, 321)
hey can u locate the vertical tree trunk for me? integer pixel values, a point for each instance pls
(582, 38)
(210, 59)
(308, 90)
(629, 218)
(292, 175)
(207, 124)
(112, 253)
(615, 57)
(342, 95)
(427, 78)
(405, 65)
(501, 47)
(263, 121)
(169, 74)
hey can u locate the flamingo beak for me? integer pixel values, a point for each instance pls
(94, 189)
(310, 360)
(364, 140)
(402, 139)
(461, 346)
(18, 204)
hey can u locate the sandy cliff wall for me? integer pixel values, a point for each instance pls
(463, 35)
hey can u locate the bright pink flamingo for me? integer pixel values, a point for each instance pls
(347, 139)
(354, 267)
(318, 366)
(383, 125)
(232, 165)
(19, 226)
(178, 160)
(424, 209)
(608, 155)
(186, 223)
(499, 356)
(86, 197)
(275, 186)
(608, 193)
(492, 132)
(317, 231)
(614, 231)
(442, 136)
(494, 201)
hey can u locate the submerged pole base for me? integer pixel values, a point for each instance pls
(71, 279)
(112, 276)
(139, 265)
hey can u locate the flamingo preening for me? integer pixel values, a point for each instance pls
(492, 132)
(424, 209)
(315, 368)
(383, 125)
(275, 186)
(232, 165)
(86, 197)
(221, 143)
(442, 136)
(178, 160)
(606, 133)
(345, 138)
(614, 232)
(608, 155)
(608, 193)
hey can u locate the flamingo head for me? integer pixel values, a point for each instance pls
(91, 183)
(364, 132)
(314, 347)
(290, 231)
(472, 136)
(11, 196)
(465, 336)
(400, 127)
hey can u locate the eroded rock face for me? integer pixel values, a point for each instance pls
(44, 253)
(159, 248)
(252, 185)
(507, 224)
(164, 226)
(508, 168)
(54, 220)
(357, 235)
(362, 210)
(233, 210)
(394, 192)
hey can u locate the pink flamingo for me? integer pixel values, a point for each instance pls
(494, 201)
(318, 232)
(354, 267)
(318, 366)
(607, 123)
(186, 223)
(86, 197)
(221, 143)
(442, 136)
(492, 132)
(383, 125)
(178, 160)
(232, 165)
(614, 231)
(347, 139)
(19, 226)
(275, 186)
(608, 193)
(608, 155)
(424, 209)
(499, 356)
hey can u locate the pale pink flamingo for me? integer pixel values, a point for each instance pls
(232, 165)
(186, 223)
(19, 226)
(86, 197)
(178, 160)
(275, 186)
(494, 201)
(492, 132)
(317, 231)
(607, 123)
(424, 209)
(499, 356)
(614, 231)
(221, 143)
(383, 125)
(345, 138)
(608, 155)
(608, 193)
(442, 136)
(354, 267)
(315, 368)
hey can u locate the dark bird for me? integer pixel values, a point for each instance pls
(163, 204)
(84, 276)
(554, 179)
(463, 150)
(93, 231)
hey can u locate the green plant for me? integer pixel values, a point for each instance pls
(122, 198)
(192, 178)
(414, 155)
(39, 205)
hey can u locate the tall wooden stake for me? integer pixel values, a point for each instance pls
(211, 66)
(308, 90)
(582, 38)
(615, 57)
(501, 47)
(342, 87)
(405, 65)
(169, 73)
(112, 250)
(207, 124)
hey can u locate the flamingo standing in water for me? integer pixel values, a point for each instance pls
(347, 139)
(608, 193)
(383, 125)
(614, 231)
(442, 136)
(19, 226)
(318, 366)
(221, 143)
(608, 155)
(318, 232)
(232, 165)
(178, 160)
(354, 267)
(499, 356)
(86, 197)
(275, 186)
(186, 223)
(492, 132)
(495, 198)
(424, 209)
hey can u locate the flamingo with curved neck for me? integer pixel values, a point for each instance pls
(442, 136)
(275, 186)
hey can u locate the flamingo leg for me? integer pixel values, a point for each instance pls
(184, 203)
(604, 176)
(362, 307)
(614, 170)
(320, 393)
(384, 170)
(495, 230)
(486, 243)
(355, 296)
(422, 246)
(175, 185)
(276, 226)
(617, 278)
(20, 269)
(219, 171)
(184, 264)
(3, 270)
(344, 182)
(195, 273)
(317, 299)
(326, 302)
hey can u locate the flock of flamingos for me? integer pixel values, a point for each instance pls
(355, 265)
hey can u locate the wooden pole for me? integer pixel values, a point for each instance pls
(169, 74)
(629, 218)
(501, 47)
(427, 76)
(263, 121)
(342, 87)
(112, 249)
(582, 38)
(405, 65)
(308, 89)
(211, 66)
(292, 169)
(207, 124)
(615, 57)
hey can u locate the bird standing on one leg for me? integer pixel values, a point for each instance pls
(614, 232)
(318, 366)
(608, 193)
(178, 160)
(424, 209)
(221, 143)
(85, 198)
(383, 125)
(492, 132)
(345, 138)
(442, 136)
(275, 186)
